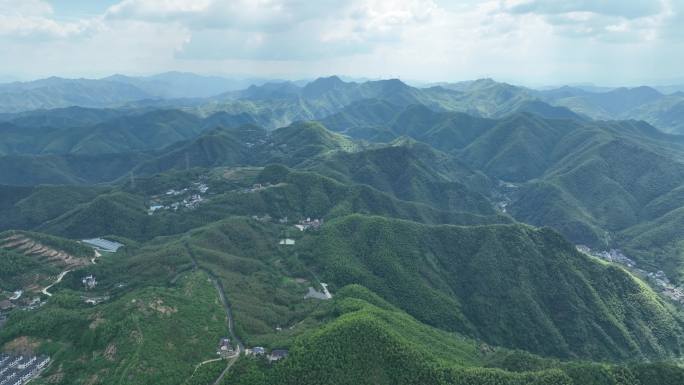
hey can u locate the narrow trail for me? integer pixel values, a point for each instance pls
(239, 347)
(204, 363)
(59, 279)
(223, 373)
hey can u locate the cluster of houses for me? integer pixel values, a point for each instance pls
(226, 350)
(274, 355)
(661, 282)
(196, 186)
(19, 302)
(612, 255)
(20, 369)
(191, 202)
(33, 304)
(302, 225)
(658, 279)
(309, 224)
(193, 198)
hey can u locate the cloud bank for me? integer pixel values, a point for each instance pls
(532, 41)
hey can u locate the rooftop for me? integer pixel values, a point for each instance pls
(103, 244)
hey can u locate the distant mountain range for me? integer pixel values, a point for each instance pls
(277, 104)
(112, 91)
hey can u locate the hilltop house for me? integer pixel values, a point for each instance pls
(255, 351)
(89, 282)
(225, 348)
(258, 350)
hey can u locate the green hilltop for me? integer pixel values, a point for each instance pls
(501, 283)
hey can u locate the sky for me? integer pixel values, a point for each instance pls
(530, 42)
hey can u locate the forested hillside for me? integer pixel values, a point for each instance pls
(366, 232)
(478, 281)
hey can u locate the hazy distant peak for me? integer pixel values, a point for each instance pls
(323, 85)
(330, 80)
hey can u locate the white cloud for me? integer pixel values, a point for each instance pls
(524, 40)
(33, 19)
(619, 8)
(25, 8)
(280, 29)
(613, 21)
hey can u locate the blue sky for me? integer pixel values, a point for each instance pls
(75, 9)
(533, 42)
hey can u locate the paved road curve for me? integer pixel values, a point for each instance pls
(59, 279)
(229, 313)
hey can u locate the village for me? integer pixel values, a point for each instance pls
(20, 369)
(226, 350)
(20, 300)
(302, 225)
(35, 294)
(657, 279)
(186, 198)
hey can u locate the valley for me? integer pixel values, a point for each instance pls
(341, 232)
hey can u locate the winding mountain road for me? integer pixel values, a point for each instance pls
(97, 255)
(239, 346)
(59, 279)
